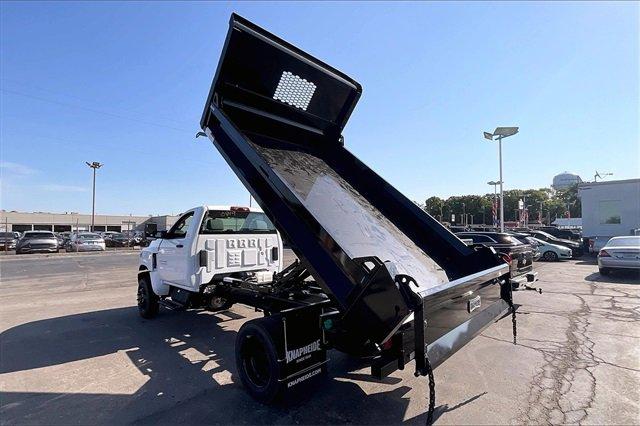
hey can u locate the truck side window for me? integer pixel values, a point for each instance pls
(180, 228)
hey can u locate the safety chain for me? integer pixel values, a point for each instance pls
(513, 321)
(432, 391)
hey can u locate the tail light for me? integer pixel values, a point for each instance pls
(591, 243)
(387, 344)
(506, 258)
(239, 209)
(603, 253)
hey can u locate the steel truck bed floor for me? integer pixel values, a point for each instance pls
(349, 218)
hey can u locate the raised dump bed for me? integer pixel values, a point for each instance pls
(276, 115)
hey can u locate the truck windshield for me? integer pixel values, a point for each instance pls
(236, 222)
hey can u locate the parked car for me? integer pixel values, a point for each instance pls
(566, 234)
(8, 240)
(60, 239)
(107, 234)
(550, 252)
(120, 240)
(86, 241)
(620, 253)
(66, 236)
(576, 247)
(527, 239)
(135, 236)
(519, 256)
(457, 228)
(37, 242)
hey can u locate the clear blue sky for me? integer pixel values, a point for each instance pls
(125, 84)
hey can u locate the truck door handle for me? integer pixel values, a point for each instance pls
(179, 246)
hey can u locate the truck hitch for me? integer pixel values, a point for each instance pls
(528, 287)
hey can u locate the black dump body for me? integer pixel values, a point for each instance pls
(276, 114)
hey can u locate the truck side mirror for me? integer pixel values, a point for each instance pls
(161, 234)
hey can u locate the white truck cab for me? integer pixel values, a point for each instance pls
(206, 245)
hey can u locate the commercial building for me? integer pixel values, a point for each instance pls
(60, 222)
(609, 209)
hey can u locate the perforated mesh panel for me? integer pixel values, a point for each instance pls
(294, 90)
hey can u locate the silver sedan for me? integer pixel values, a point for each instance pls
(620, 253)
(86, 241)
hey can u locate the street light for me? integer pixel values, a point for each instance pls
(464, 214)
(95, 166)
(501, 133)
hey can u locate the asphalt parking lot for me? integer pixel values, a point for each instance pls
(73, 350)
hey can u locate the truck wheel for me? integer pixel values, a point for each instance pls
(148, 305)
(550, 256)
(257, 359)
(604, 271)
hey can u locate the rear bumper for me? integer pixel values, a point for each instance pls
(456, 313)
(89, 248)
(37, 250)
(446, 345)
(608, 262)
(451, 342)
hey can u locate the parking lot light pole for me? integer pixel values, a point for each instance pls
(464, 214)
(501, 133)
(95, 166)
(495, 196)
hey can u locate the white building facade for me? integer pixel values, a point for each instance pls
(609, 209)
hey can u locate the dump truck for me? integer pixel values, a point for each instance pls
(376, 276)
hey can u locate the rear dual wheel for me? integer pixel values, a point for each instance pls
(257, 359)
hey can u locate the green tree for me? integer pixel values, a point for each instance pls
(570, 198)
(541, 203)
(434, 206)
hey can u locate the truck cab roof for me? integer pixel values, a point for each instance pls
(230, 208)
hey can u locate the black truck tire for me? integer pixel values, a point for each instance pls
(148, 305)
(604, 271)
(257, 359)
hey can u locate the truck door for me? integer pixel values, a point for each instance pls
(174, 255)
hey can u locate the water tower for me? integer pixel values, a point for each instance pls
(565, 180)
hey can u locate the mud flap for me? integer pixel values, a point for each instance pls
(302, 355)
